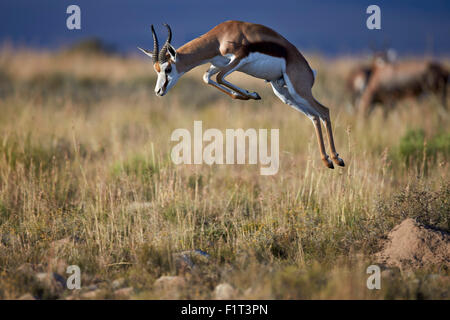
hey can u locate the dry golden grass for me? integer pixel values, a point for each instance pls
(85, 156)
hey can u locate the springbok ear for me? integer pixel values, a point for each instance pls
(172, 52)
(146, 52)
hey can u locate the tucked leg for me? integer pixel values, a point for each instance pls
(231, 67)
(207, 79)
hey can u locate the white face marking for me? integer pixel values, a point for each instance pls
(359, 83)
(380, 62)
(167, 77)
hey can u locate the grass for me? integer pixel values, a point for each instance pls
(85, 156)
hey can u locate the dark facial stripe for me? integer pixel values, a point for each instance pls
(165, 84)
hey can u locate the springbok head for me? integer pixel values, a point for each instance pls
(164, 61)
(384, 57)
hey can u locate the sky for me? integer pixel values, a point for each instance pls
(412, 27)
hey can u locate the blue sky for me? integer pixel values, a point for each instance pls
(330, 27)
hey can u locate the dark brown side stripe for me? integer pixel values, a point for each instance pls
(269, 48)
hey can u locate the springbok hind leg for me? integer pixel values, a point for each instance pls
(282, 92)
(327, 122)
(325, 158)
(335, 156)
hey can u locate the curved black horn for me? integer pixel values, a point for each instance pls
(169, 37)
(163, 53)
(155, 46)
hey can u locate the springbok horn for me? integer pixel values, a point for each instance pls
(163, 52)
(155, 46)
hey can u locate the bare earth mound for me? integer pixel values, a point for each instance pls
(412, 245)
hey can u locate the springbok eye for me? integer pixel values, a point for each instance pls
(169, 69)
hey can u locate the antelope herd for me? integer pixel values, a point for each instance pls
(386, 81)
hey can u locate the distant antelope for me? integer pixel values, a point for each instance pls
(357, 81)
(388, 82)
(255, 50)
(359, 76)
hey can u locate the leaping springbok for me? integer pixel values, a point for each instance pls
(255, 50)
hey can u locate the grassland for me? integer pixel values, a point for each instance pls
(86, 179)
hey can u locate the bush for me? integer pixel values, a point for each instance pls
(92, 46)
(431, 208)
(415, 149)
(137, 165)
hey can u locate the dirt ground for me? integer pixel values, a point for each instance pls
(411, 245)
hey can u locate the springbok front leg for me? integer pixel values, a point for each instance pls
(282, 92)
(227, 70)
(207, 79)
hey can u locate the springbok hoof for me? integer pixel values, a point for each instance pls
(237, 96)
(328, 163)
(339, 162)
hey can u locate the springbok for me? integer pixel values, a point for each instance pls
(359, 76)
(357, 81)
(388, 81)
(252, 49)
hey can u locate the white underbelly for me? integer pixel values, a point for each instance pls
(221, 61)
(263, 66)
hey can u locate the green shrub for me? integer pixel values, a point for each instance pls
(137, 165)
(415, 149)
